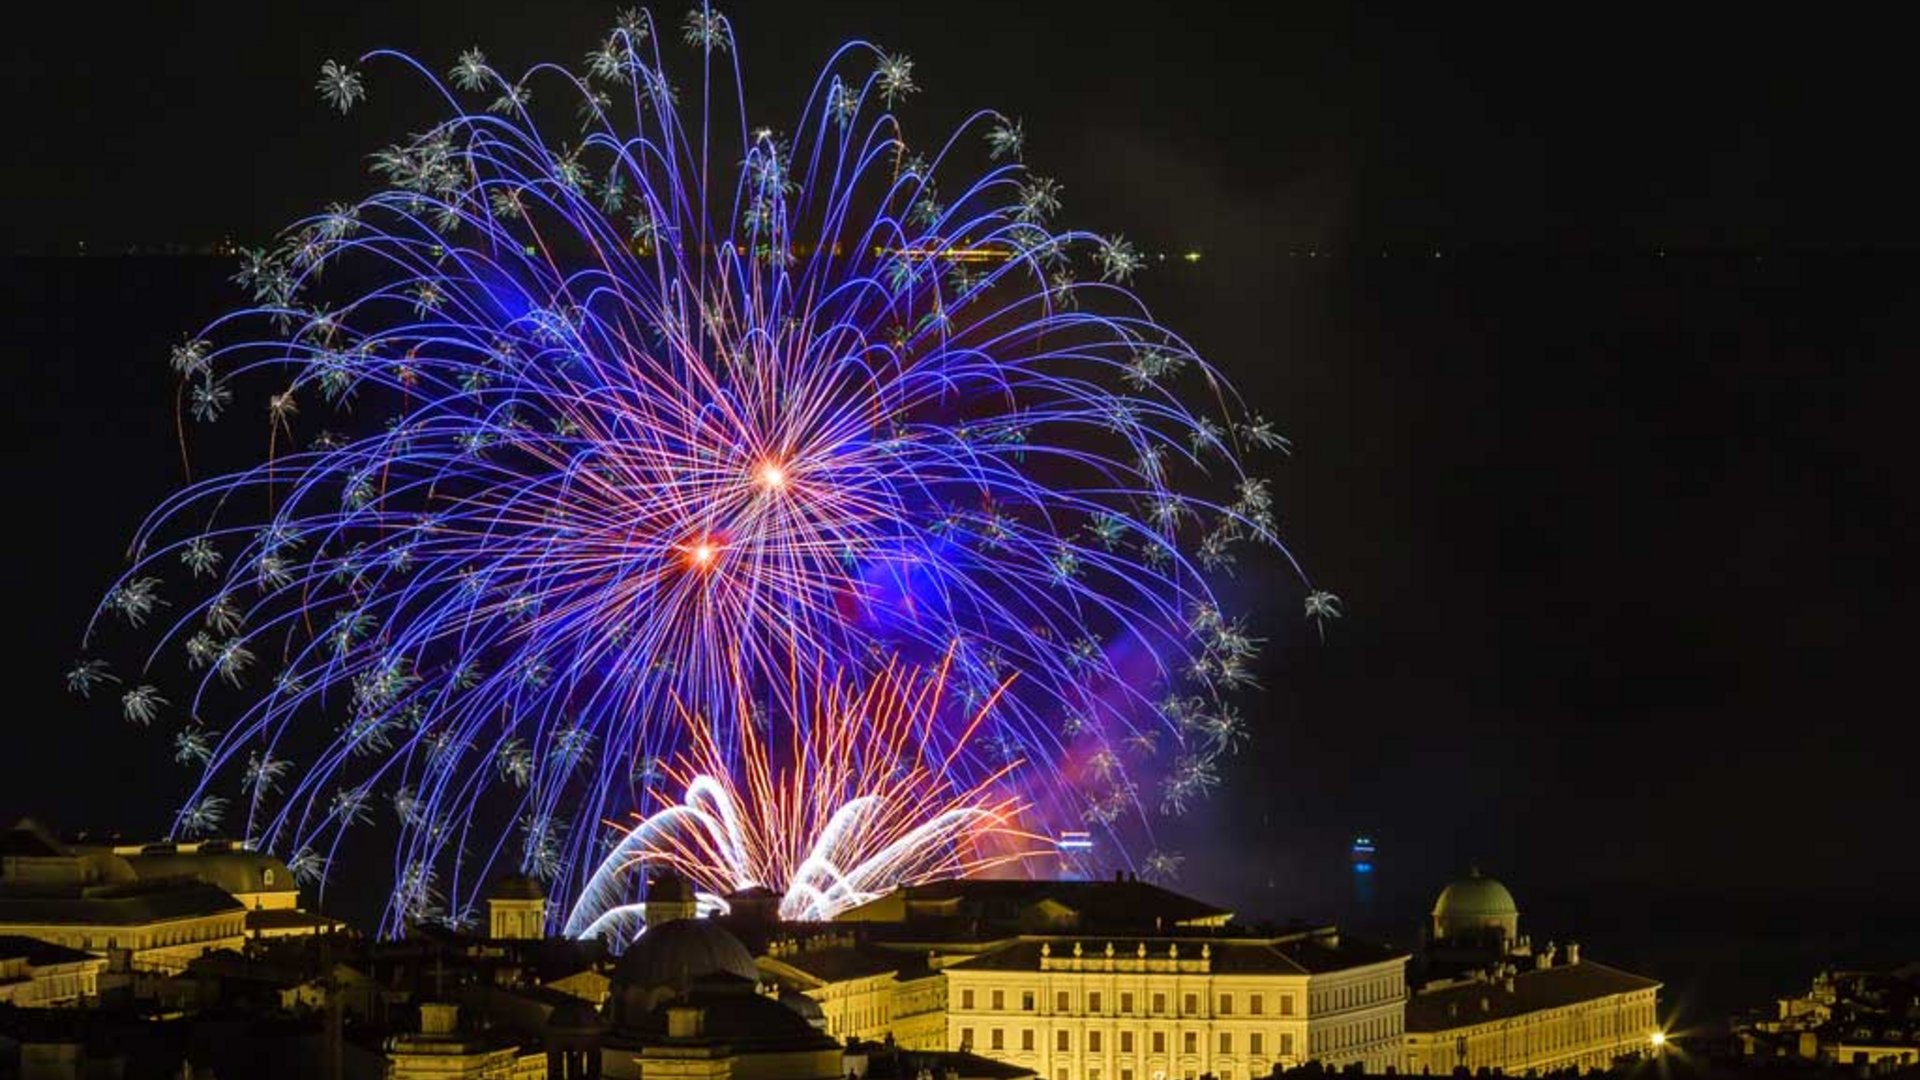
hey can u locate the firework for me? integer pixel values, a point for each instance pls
(594, 414)
(867, 793)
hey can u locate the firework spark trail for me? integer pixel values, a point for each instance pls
(855, 801)
(608, 422)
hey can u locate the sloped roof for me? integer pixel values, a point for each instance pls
(133, 904)
(29, 838)
(1461, 1006)
(839, 963)
(236, 871)
(1230, 956)
(1100, 904)
(39, 953)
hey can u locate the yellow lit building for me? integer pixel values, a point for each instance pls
(38, 975)
(1154, 1008)
(92, 900)
(160, 905)
(864, 991)
(441, 1051)
(1505, 1007)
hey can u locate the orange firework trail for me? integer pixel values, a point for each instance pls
(852, 802)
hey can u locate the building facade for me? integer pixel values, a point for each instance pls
(38, 975)
(1160, 1008)
(1490, 1000)
(865, 992)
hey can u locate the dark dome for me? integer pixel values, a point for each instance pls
(517, 887)
(674, 953)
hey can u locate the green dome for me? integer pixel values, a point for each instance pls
(1474, 899)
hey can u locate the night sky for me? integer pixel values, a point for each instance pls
(1624, 537)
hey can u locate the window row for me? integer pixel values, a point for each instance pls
(1366, 993)
(1125, 1043)
(1223, 1004)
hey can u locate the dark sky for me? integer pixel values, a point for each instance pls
(1626, 539)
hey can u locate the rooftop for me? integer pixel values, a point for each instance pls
(1239, 956)
(130, 904)
(39, 953)
(1479, 1001)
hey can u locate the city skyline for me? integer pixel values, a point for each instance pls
(1621, 561)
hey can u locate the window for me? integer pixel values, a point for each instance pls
(1226, 1042)
(1159, 1042)
(997, 1039)
(966, 1038)
(1190, 1043)
(1026, 1038)
(1226, 1005)
(1126, 1042)
(999, 1000)
(1286, 1004)
(1159, 1003)
(1026, 1001)
(1061, 1002)
(1093, 1001)
(1093, 1042)
(1126, 1003)
(1257, 1004)
(1062, 1041)
(966, 999)
(1190, 1005)
(1256, 1044)
(1093, 1074)
(266, 877)
(1286, 1044)
(1126, 1074)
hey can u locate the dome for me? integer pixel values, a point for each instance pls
(674, 953)
(1475, 899)
(239, 871)
(517, 887)
(1477, 911)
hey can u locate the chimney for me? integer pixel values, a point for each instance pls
(1573, 952)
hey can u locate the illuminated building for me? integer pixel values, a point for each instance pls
(1125, 980)
(37, 975)
(516, 909)
(1492, 1002)
(159, 905)
(864, 991)
(442, 1051)
(1845, 1018)
(93, 901)
(1148, 1008)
